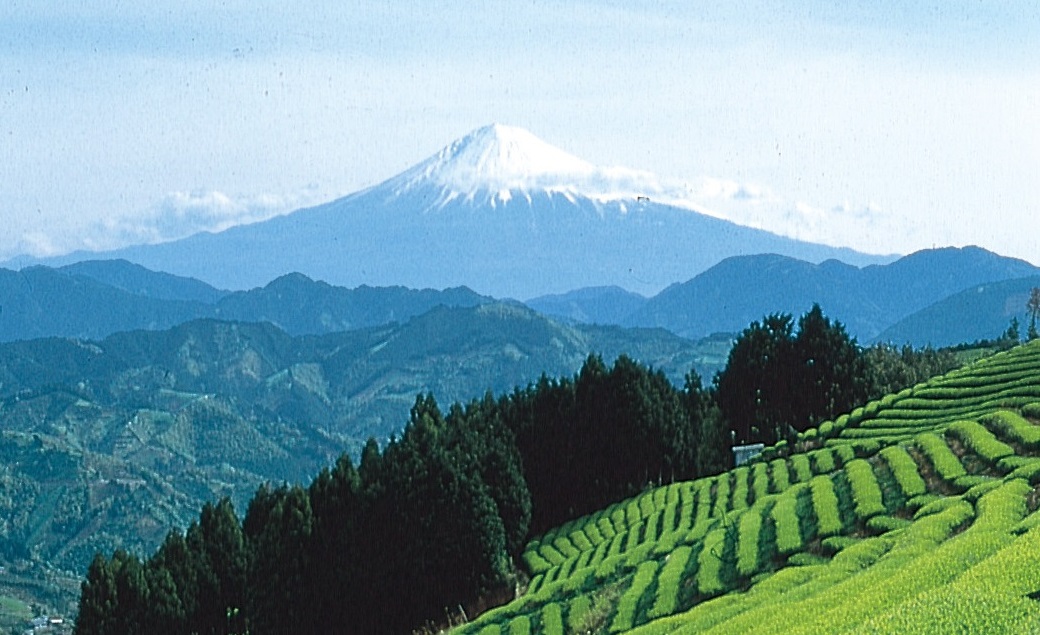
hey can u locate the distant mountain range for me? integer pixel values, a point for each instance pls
(498, 211)
(868, 300)
(94, 299)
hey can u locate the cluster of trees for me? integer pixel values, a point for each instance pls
(439, 516)
(779, 381)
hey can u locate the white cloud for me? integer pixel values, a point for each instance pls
(181, 214)
(37, 243)
(863, 226)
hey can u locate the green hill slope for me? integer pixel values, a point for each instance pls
(913, 514)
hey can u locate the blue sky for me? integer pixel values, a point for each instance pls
(889, 127)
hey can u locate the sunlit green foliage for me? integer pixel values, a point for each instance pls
(785, 516)
(979, 440)
(630, 600)
(825, 505)
(905, 471)
(943, 459)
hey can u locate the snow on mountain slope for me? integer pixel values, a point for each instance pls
(497, 164)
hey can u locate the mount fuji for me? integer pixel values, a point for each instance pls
(499, 211)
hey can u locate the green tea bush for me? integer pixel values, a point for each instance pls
(580, 540)
(1003, 506)
(617, 544)
(652, 529)
(564, 546)
(668, 518)
(710, 563)
(822, 461)
(535, 562)
(552, 619)
(606, 527)
(520, 625)
(592, 533)
(632, 513)
(660, 496)
(946, 464)
(626, 609)
(904, 470)
(970, 481)
(864, 448)
(1013, 462)
(979, 440)
(827, 429)
(740, 488)
(668, 582)
(937, 506)
(759, 481)
(834, 544)
(646, 504)
(844, 453)
(800, 468)
(866, 494)
(855, 417)
(600, 553)
(685, 517)
(619, 517)
(721, 503)
(1029, 472)
(747, 542)
(825, 504)
(578, 612)
(1015, 428)
(635, 537)
(552, 554)
(778, 476)
(785, 517)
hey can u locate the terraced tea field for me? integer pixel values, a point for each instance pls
(912, 514)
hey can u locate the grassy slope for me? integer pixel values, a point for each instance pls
(913, 514)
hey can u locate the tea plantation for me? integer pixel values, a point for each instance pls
(912, 514)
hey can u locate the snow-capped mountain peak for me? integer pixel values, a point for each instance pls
(496, 164)
(501, 155)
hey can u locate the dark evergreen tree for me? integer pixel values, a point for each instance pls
(174, 561)
(755, 388)
(708, 431)
(98, 603)
(829, 374)
(777, 382)
(217, 546)
(278, 527)
(1012, 336)
(336, 547)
